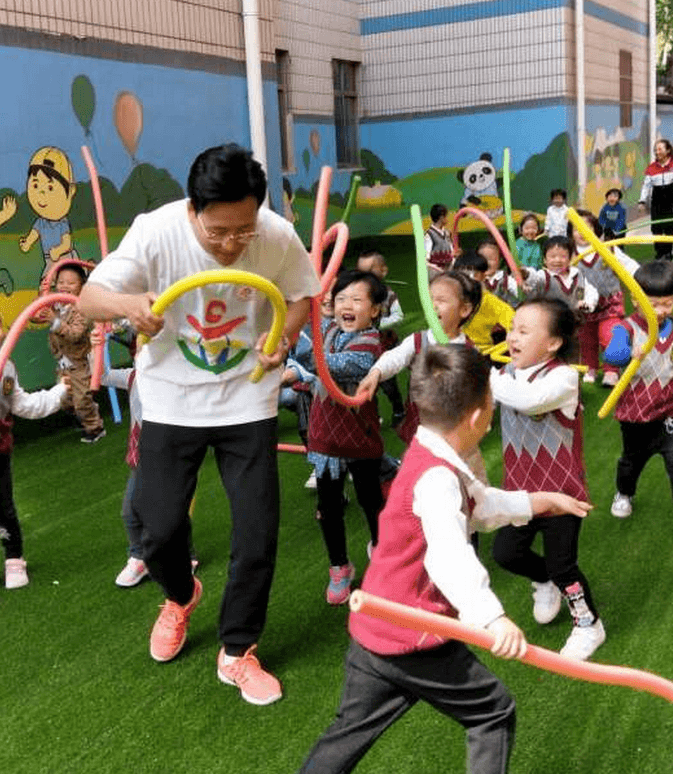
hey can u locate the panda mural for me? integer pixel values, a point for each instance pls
(481, 186)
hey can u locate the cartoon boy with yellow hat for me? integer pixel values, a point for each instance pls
(50, 189)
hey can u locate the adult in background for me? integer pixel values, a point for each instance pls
(195, 392)
(657, 191)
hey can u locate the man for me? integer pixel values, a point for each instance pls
(195, 392)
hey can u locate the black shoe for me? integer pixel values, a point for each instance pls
(93, 436)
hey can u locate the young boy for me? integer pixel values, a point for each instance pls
(612, 216)
(556, 222)
(645, 409)
(70, 345)
(424, 558)
(438, 244)
(391, 315)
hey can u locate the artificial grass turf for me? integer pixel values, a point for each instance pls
(79, 692)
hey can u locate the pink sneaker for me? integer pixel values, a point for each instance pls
(339, 588)
(257, 686)
(15, 573)
(170, 629)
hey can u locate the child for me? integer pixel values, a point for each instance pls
(597, 326)
(36, 405)
(527, 245)
(541, 420)
(645, 409)
(492, 320)
(339, 437)
(559, 279)
(556, 222)
(497, 280)
(438, 244)
(69, 344)
(612, 216)
(425, 559)
(391, 315)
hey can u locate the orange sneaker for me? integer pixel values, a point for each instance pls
(170, 629)
(255, 684)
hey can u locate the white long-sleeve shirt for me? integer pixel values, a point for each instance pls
(400, 357)
(558, 389)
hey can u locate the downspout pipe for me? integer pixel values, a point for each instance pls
(253, 69)
(652, 24)
(581, 100)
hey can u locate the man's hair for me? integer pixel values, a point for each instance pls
(558, 192)
(448, 382)
(656, 278)
(226, 173)
(437, 211)
(377, 290)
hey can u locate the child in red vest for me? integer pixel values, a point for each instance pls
(424, 558)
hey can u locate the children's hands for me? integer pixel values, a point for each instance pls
(96, 337)
(369, 384)
(64, 379)
(510, 641)
(289, 376)
(557, 504)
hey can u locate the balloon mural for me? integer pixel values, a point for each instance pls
(128, 120)
(83, 99)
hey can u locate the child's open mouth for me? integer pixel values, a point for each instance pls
(348, 318)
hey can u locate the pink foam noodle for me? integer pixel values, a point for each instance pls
(490, 225)
(294, 448)
(24, 317)
(450, 628)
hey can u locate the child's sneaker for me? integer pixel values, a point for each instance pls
(15, 573)
(257, 686)
(610, 378)
(339, 588)
(621, 506)
(546, 601)
(170, 629)
(93, 436)
(583, 641)
(311, 482)
(590, 376)
(132, 574)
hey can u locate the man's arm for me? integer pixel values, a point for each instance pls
(99, 303)
(297, 315)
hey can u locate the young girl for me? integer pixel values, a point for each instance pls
(497, 280)
(541, 419)
(341, 438)
(527, 245)
(597, 326)
(559, 279)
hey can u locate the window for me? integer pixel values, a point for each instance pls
(625, 89)
(346, 112)
(284, 116)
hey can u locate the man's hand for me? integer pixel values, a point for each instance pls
(275, 359)
(138, 310)
(510, 641)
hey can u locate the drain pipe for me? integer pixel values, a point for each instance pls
(653, 74)
(581, 100)
(253, 69)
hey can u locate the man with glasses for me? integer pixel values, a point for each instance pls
(195, 393)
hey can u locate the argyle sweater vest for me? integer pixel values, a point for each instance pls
(441, 253)
(543, 453)
(611, 299)
(552, 287)
(396, 571)
(649, 395)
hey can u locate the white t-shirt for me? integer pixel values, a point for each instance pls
(195, 371)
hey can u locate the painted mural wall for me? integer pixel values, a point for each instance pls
(143, 123)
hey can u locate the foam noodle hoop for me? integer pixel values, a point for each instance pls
(507, 201)
(24, 317)
(490, 225)
(450, 628)
(233, 277)
(319, 240)
(638, 296)
(637, 226)
(294, 448)
(350, 204)
(422, 278)
(48, 279)
(632, 240)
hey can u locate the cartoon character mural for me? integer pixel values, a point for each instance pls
(7, 212)
(481, 186)
(50, 189)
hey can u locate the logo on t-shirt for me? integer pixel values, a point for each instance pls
(213, 348)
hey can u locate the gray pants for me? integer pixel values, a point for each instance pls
(378, 690)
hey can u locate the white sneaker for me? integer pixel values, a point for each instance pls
(610, 378)
(311, 482)
(589, 377)
(583, 641)
(546, 601)
(621, 506)
(15, 573)
(132, 574)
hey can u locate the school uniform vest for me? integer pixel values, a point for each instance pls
(611, 299)
(498, 284)
(396, 571)
(553, 287)
(544, 452)
(441, 252)
(649, 394)
(389, 337)
(6, 420)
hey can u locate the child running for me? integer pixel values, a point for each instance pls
(541, 420)
(340, 438)
(645, 408)
(425, 559)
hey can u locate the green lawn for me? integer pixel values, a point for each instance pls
(79, 692)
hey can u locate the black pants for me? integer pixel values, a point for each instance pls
(246, 455)
(662, 209)
(10, 530)
(378, 690)
(331, 506)
(640, 442)
(560, 538)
